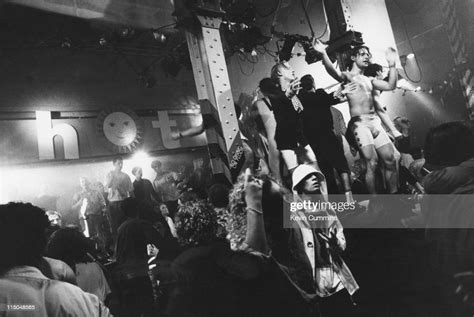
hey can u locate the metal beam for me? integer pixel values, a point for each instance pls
(215, 95)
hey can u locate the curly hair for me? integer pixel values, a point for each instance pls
(196, 223)
(235, 217)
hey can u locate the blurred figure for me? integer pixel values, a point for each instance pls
(75, 249)
(165, 185)
(447, 212)
(45, 199)
(91, 208)
(166, 214)
(54, 218)
(119, 188)
(143, 189)
(449, 155)
(200, 178)
(135, 288)
(22, 282)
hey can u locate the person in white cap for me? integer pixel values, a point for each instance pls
(324, 241)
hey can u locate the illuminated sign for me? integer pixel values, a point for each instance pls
(46, 133)
(89, 135)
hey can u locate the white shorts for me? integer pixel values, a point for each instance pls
(368, 130)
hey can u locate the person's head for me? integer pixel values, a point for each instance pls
(156, 165)
(186, 196)
(402, 124)
(360, 56)
(198, 163)
(84, 183)
(182, 168)
(268, 87)
(22, 234)
(374, 70)
(219, 195)
(54, 218)
(282, 72)
(196, 223)
(99, 187)
(118, 163)
(164, 210)
(137, 172)
(449, 144)
(131, 207)
(307, 82)
(307, 180)
(69, 245)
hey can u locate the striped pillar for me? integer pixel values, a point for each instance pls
(458, 48)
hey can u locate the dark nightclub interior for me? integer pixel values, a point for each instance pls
(236, 158)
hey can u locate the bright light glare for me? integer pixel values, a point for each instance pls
(411, 55)
(140, 159)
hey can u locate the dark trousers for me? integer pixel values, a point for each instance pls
(99, 229)
(136, 297)
(116, 216)
(336, 305)
(330, 154)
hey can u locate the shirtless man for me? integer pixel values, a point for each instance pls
(376, 71)
(372, 139)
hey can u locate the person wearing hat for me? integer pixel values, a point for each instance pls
(323, 242)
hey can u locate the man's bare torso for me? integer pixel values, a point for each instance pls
(361, 101)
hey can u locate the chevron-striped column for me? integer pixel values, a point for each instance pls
(458, 48)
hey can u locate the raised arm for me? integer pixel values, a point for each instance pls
(188, 133)
(380, 84)
(333, 71)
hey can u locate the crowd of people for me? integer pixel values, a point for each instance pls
(191, 246)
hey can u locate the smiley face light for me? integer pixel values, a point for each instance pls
(121, 129)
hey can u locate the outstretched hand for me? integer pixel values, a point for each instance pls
(331, 239)
(175, 135)
(349, 88)
(319, 47)
(391, 55)
(253, 191)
